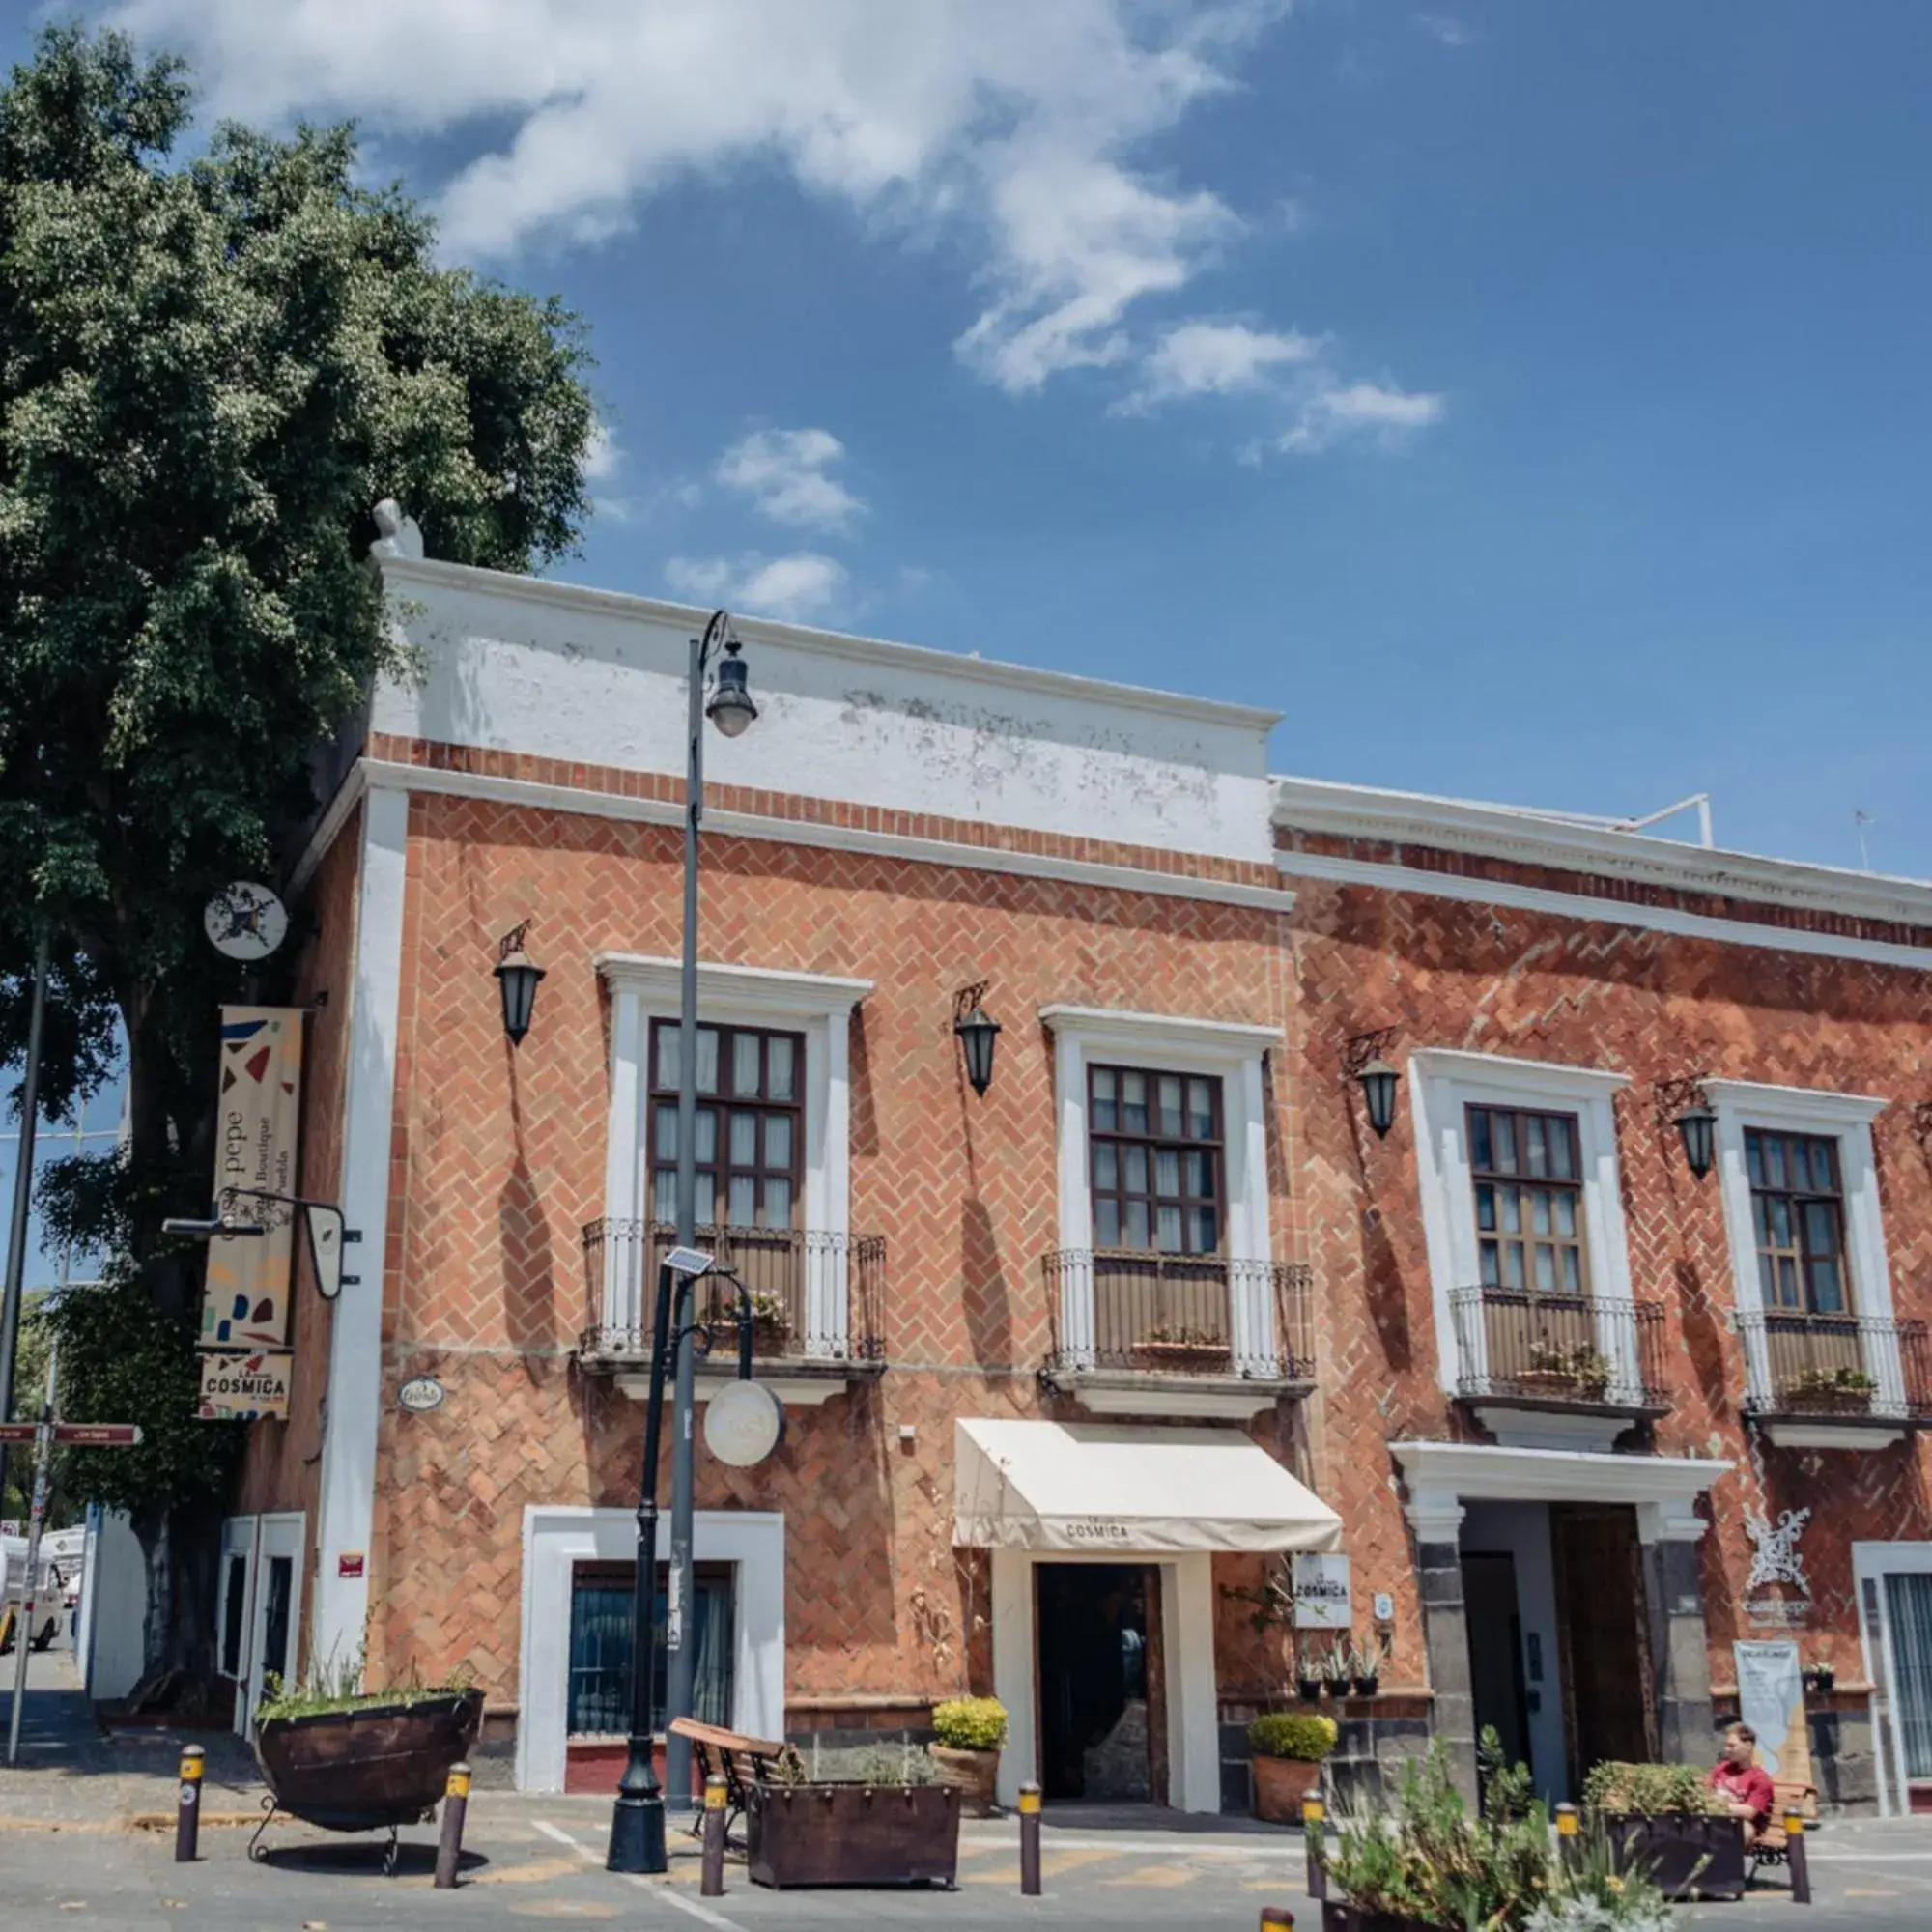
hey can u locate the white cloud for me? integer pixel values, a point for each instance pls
(1220, 359)
(1383, 415)
(604, 458)
(802, 584)
(1446, 28)
(1026, 126)
(783, 472)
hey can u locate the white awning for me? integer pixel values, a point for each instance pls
(1095, 1487)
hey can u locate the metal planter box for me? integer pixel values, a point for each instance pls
(1683, 1850)
(799, 1834)
(1337, 1915)
(363, 1770)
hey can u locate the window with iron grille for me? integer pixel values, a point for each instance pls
(1527, 1172)
(1154, 1160)
(1798, 1210)
(749, 1138)
(599, 1703)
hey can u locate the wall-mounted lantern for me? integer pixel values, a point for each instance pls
(1363, 1063)
(977, 1030)
(517, 975)
(1686, 1107)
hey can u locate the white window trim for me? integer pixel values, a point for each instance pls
(1847, 1119)
(644, 987)
(1871, 1564)
(557, 1537)
(1444, 1083)
(1175, 1044)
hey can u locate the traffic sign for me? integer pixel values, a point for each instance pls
(76, 1435)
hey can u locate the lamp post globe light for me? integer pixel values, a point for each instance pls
(638, 1817)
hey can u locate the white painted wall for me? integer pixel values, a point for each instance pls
(1521, 1530)
(113, 1607)
(555, 671)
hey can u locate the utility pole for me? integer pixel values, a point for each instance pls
(23, 1188)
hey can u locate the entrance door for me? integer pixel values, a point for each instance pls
(259, 1608)
(1096, 1738)
(1496, 1651)
(236, 1610)
(1608, 1689)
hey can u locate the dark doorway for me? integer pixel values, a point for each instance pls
(1608, 1692)
(1496, 1651)
(1095, 1741)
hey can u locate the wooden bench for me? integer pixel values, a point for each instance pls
(1774, 1846)
(741, 1761)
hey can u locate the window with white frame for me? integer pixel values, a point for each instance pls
(1811, 1276)
(1523, 1216)
(1164, 1234)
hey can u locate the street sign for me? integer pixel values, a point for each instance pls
(18, 1432)
(744, 1422)
(97, 1435)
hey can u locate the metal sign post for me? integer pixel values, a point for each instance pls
(46, 1434)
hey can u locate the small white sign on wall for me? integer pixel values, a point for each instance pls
(1321, 1598)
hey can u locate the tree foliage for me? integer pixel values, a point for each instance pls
(211, 370)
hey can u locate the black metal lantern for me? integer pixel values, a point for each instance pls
(1698, 1127)
(977, 1030)
(517, 977)
(732, 708)
(1379, 1084)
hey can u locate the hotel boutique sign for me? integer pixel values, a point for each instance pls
(244, 1310)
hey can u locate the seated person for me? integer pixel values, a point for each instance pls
(1745, 1787)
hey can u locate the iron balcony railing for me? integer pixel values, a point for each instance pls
(1844, 1365)
(1559, 1351)
(815, 1296)
(1180, 1315)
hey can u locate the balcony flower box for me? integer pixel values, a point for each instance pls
(1180, 1353)
(1562, 1384)
(855, 1835)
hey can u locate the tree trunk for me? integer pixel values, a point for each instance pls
(181, 1550)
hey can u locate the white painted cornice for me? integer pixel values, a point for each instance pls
(755, 989)
(427, 573)
(1503, 1070)
(1670, 1485)
(381, 773)
(1503, 832)
(1801, 1107)
(1112, 1029)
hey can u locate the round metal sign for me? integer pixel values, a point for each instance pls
(421, 1394)
(744, 1422)
(246, 920)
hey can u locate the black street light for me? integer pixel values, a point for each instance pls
(1362, 1061)
(1697, 1127)
(977, 1032)
(517, 977)
(637, 1818)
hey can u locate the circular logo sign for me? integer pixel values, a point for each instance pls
(421, 1394)
(246, 920)
(744, 1422)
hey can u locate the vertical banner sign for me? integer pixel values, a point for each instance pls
(259, 1101)
(1771, 1700)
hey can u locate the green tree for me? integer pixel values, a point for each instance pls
(211, 370)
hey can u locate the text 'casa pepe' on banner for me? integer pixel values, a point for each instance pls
(244, 1309)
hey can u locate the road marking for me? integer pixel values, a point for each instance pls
(1167, 1846)
(695, 1907)
(1156, 1875)
(1870, 1858)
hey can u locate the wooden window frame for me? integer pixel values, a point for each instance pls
(1524, 1237)
(717, 1213)
(1799, 1254)
(1189, 1203)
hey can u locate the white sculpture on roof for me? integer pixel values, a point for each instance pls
(401, 537)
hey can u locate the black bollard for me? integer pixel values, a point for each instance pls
(1796, 1857)
(1029, 1841)
(1313, 1811)
(711, 1884)
(449, 1847)
(188, 1808)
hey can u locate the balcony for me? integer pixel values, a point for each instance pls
(816, 1298)
(1139, 1333)
(1558, 1371)
(1835, 1381)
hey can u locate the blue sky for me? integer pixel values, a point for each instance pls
(1528, 398)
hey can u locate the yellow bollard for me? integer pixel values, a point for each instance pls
(188, 1806)
(711, 1880)
(1312, 1812)
(449, 1847)
(1029, 1841)
(1796, 1859)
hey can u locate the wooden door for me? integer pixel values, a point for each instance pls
(1609, 1699)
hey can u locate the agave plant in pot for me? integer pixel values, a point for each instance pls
(967, 1735)
(1285, 1753)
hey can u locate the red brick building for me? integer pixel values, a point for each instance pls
(1065, 1360)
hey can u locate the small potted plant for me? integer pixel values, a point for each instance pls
(967, 1735)
(1820, 1680)
(1368, 1668)
(1175, 1345)
(1338, 1668)
(1307, 1675)
(1286, 1749)
(771, 1322)
(1580, 1374)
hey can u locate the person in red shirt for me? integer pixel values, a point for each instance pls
(1744, 1785)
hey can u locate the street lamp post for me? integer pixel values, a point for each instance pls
(636, 1825)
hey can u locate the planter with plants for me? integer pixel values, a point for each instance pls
(1820, 1680)
(1427, 1865)
(1844, 1391)
(968, 1733)
(352, 1760)
(1285, 1753)
(1577, 1374)
(890, 1820)
(1176, 1347)
(1666, 1818)
(771, 1323)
